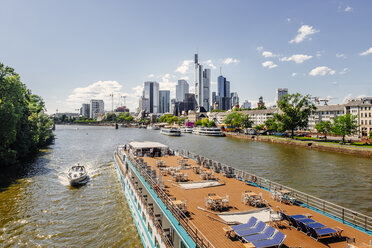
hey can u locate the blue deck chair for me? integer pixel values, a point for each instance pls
(303, 227)
(293, 222)
(315, 225)
(320, 233)
(276, 240)
(305, 221)
(266, 234)
(255, 230)
(298, 216)
(251, 223)
(285, 217)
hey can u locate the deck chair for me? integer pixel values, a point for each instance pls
(266, 234)
(315, 225)
(320, 233)
(276, 240)
(251, 223)
(298, 216)
(255, 230)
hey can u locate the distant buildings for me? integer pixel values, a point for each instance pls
(280, 92)
(182, 88)
(97, 108)
(202, 85)
(206, 89)
(151, 92)
(85, 110)
(246, 104)
(223, 97)
(260, 103)
(234, 99)
(164, 101)
(144, 104)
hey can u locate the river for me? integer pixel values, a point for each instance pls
(39, 208)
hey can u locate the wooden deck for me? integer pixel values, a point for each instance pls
(213, 229)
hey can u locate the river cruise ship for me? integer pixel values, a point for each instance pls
(171, 131)
(186, 129)
(208, 131)
(180, 199)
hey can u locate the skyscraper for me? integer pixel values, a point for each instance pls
(182, 88)
(198, 81)
(96, 107)
(206, 89)
(224, 97)
(280, 92)
(164, 101)
(151, 92)
(85, 110)
(247, 104)
(234, 99)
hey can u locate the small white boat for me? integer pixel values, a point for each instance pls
(77, 175)
(172, 131)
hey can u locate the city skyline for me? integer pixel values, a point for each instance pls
(320, 48)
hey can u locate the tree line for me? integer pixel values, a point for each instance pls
(24, 125)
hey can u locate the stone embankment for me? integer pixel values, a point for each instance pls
(309, 144)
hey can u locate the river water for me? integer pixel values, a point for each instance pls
(39, 208)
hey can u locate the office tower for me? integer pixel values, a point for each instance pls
(223, 97)
(206, 89)
(214, 99)
(173, 105)
(247, 104)
(234, 99)
(164, 101)
(85, 110)
(182, 88)
(280, 92)
(198, 81)
(151, 92)
(96, 107)
(144, 104)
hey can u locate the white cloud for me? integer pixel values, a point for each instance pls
(294, 74)
(151, 76)
(269, 64)
(340, 56)
(321, 71)
(184, 68)
(138, 90)
(303, 32)
(368, 51)
(297, 58)
(344, 71)
(210, 64)
(348, 9)
(184, 78)
(268, 54)
(166, 84)
(347, 98)
(228, 61)
(259, 48)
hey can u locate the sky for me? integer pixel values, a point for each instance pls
(69, 52)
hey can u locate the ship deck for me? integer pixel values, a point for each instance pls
(213, 229)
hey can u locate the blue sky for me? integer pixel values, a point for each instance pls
(71, 51)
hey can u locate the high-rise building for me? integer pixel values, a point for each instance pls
(280, 92)
(144, 104)
(164, 101)
(151, 92)
(247, 104)
(234, 99)
(223, 97)
(198, 81)
(182, 88)
(260, 103)
(85, 110)
(96, 107)
(214, 99)
(206, 89)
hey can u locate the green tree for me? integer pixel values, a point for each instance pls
(211, 124)
(218, 110)
(238, 120)
(246, 121)
(324, 127)
(198, 123)
(205, 122)
(259, 127)
(345, 125)
(295, 112)
(271, 125)
(111, 117)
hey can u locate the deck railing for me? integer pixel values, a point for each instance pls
(345, 215)
(199, 239)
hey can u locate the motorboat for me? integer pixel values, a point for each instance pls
(171, 131)
(208, 131)
(77, 175)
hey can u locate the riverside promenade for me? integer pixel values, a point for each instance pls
(309, 144)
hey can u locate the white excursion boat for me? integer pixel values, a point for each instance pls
(208, 131)
(77, 175)
(186, 129)
(153, 127)
(171, 131)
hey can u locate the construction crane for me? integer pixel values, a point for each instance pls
(317, 100)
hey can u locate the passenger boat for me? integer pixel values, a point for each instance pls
(77, 175)
(186, 129)
(171, 131)
(233, 208)
(153, 127)
(208, 131)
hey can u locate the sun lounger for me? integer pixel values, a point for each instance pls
(298, 216)
(267, 233)
(255, 230)
(305, 221)
(251, 223)
(320, 233)
(276, 240)
(315, 225)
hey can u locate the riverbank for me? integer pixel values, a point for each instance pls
(360, 151)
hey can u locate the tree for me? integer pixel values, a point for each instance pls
(324, 127)
(218, 110)
(238, 120)
(204, 122)
(211, 124)
(246, 121)
(295, 112)
(271, 125)
(345, 125)
(110, 117)
(198, 123)
(259, 127)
